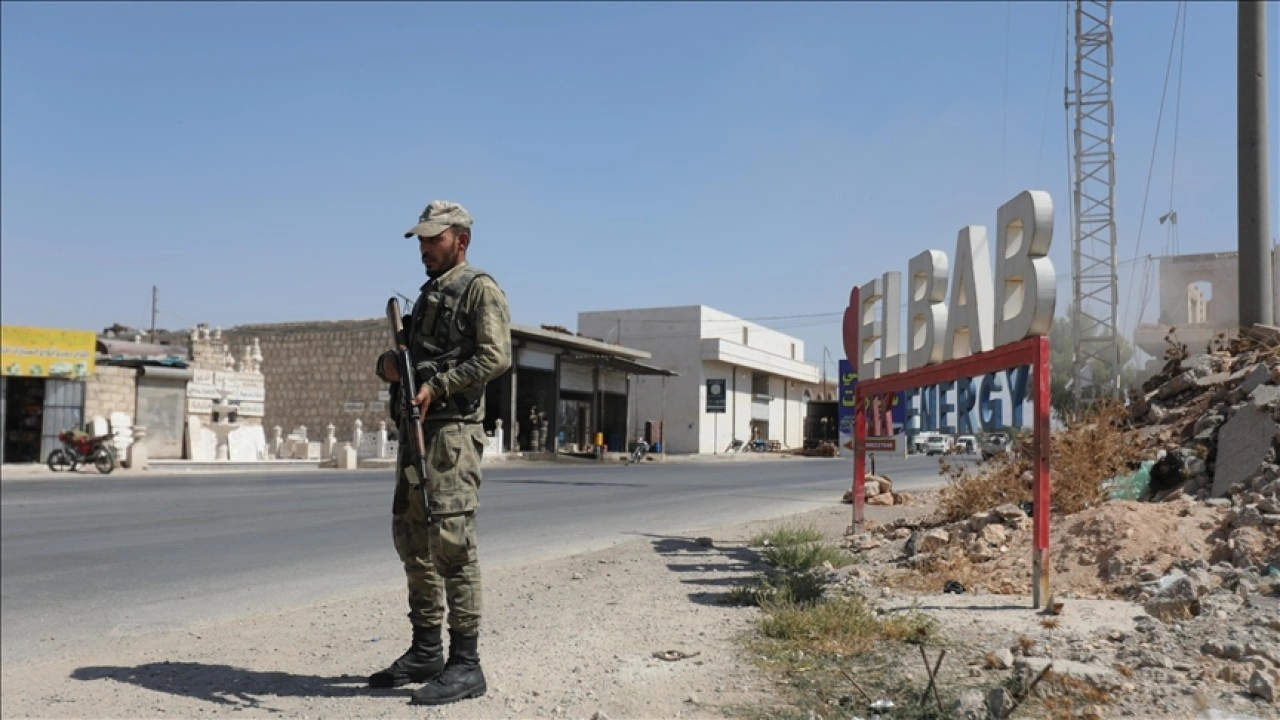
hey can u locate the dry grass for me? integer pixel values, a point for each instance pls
(799, 589)
(1124, 670)
(1026, 643)
(1063, 695)
(843, 626)
(953, 563)
(804, 557)
(1091, 451)
(798, 555)
(1049, 623)
(788, 533)
(980, 488)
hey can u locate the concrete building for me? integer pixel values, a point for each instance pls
(1199, 298)
(767, 383)
(43, 375)
(561, 391)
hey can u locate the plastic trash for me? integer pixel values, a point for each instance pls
(1130, 487)
(1167, 581)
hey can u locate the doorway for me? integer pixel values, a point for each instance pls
(23, 419)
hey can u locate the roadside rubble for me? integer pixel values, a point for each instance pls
(1171, 504)
(879, 491)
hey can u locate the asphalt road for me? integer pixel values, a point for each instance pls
(87, 558)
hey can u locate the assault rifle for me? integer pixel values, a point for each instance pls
(410, 415)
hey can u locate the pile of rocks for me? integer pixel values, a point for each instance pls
(1214, 420)
(1202, 634)
(878, 491)
(1199, 555)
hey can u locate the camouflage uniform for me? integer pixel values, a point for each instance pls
(459, 340)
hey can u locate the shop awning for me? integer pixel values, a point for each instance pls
(619, 364)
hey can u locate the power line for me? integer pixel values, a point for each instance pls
(1048, 86)
(1004, 123)
(1171, 247)
(1173, 43)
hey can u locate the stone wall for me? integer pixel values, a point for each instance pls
(210, 350)
(317, 373)
(112, 389)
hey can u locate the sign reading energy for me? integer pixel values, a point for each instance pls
(46, 352)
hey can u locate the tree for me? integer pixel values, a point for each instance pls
(1062, 365)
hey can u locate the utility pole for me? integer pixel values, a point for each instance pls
(155, 299)
(1255, 265)
(823, 389)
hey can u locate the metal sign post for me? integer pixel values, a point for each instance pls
(1031, 351)
(716, 405)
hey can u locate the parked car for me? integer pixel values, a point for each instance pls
(967, 444)
(995, 443)
(937, 444)
(919, 439)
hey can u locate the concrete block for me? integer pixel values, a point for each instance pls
(1258, 375)
(347, 457)
(1243, 443)
(1266, 396)
(138, 456)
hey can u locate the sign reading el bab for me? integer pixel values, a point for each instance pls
(46, 352)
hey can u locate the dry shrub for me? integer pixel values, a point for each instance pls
(977, 489)
(1092, 450)
(1049, 623)
(1087, 454)
(1063, 695)
(1026, 643)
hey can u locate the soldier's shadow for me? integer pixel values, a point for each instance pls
(228, 685)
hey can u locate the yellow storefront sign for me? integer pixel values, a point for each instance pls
(46, 352)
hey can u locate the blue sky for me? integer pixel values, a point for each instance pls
(259, 162)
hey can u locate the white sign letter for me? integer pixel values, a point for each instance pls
(869, 329)
(969, 319)
(891, 360)
(926, 308)
(1025, 281)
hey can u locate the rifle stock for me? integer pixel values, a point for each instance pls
(410, 414)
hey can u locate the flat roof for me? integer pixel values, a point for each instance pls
(613, 362)
(518, 332)
(577, 342)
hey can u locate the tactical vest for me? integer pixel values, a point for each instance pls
(441, 337)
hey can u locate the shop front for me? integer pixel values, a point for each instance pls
(42, 388)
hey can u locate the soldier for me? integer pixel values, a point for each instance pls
(459, 340)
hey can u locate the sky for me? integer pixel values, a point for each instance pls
(260, 162)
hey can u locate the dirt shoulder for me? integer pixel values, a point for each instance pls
(571, 637)
(577, 636)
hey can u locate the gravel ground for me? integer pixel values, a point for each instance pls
(571, 637)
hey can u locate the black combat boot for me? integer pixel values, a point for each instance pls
(462, 677)
(420, 663)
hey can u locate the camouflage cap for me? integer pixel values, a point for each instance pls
(439, 215)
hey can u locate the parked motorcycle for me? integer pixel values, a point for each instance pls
(638, 453)
(739, 446)
(80, 448)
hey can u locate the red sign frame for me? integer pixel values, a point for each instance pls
(876, 393)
